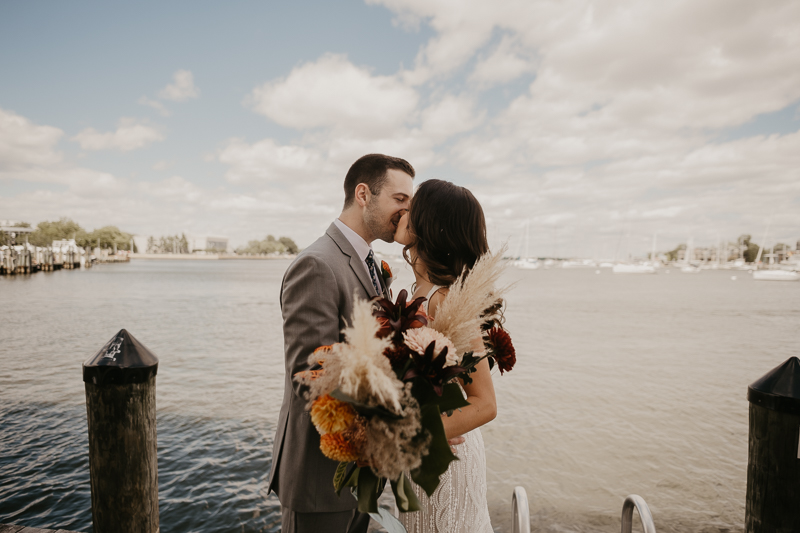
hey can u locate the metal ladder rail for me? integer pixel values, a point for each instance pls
(521, 518)
(520, 513)
(634, 500)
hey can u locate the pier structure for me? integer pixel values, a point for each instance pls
(24, 258)
(16, 258)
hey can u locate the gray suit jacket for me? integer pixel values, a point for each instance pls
(316, 300)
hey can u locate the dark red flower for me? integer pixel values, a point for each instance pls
(499, 342)
(398, 355)
(431, 368)
(397, 318)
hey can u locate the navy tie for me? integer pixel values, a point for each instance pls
(373, 272)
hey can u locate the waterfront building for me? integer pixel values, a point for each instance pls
(208, 243)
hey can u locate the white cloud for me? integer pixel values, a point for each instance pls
(449, 116)
(266, 161)
(181, 89)
(24, 144)
(130, 135)
(503, 65)
(155, 104)
(332, 92)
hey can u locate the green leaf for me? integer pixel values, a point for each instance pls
(367, 491)
(439, 454)
(351, 477)
(404, 495)
(339, 477)
(452, 398)
(364, 409)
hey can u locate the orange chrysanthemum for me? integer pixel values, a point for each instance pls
(356, 434)
(336, 446)
(502, 349)
(330, 415)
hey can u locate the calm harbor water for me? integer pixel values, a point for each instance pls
(624, 384)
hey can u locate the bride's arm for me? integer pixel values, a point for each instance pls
(482, 406)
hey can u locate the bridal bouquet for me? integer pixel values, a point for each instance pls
(377, 399)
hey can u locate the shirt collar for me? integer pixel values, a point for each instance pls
(361, 246)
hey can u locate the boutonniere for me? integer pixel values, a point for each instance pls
(386, 273)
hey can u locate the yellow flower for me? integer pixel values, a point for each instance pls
(330, 415)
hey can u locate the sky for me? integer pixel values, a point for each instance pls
(598, 126)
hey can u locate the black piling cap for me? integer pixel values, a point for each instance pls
(778, 389)
(121, 361)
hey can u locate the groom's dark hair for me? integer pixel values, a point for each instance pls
(371, 170)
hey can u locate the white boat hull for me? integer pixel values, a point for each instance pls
(634, 269)
(775, 275)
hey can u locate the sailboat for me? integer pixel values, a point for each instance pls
(688, 267)
(622, 268)
(525, 262)
(638, 268)
(776, 275)
(773, 274)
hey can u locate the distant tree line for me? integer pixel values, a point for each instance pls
(270, 245)
(65, 228)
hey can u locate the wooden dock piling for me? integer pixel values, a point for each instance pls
(120, 383)
(773, 466)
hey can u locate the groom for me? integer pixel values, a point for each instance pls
(316, 300)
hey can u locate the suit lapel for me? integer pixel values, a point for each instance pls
(356, 265)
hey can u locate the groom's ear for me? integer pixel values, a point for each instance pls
(362, 194)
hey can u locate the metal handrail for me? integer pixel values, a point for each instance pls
(646, 517)
(520, 514)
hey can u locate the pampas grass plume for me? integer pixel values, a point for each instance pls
(458, 316)
(366, 374)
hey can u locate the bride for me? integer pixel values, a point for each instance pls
(443, 233)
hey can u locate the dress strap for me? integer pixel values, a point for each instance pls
(430, 294)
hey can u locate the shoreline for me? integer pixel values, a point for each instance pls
(207, 257)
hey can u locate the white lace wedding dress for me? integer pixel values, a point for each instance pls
(459, 503)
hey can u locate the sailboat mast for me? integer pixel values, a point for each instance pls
(653, 253)
(761, 246)
(527, 238)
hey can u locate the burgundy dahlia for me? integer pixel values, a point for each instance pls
(502, 348)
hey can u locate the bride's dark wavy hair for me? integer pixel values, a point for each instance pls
(448, 230)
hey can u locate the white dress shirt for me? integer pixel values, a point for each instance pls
(361, 246)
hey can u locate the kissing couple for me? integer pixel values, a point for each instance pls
(443, 233)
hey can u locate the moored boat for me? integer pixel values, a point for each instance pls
(622, 268)
(776, 275)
